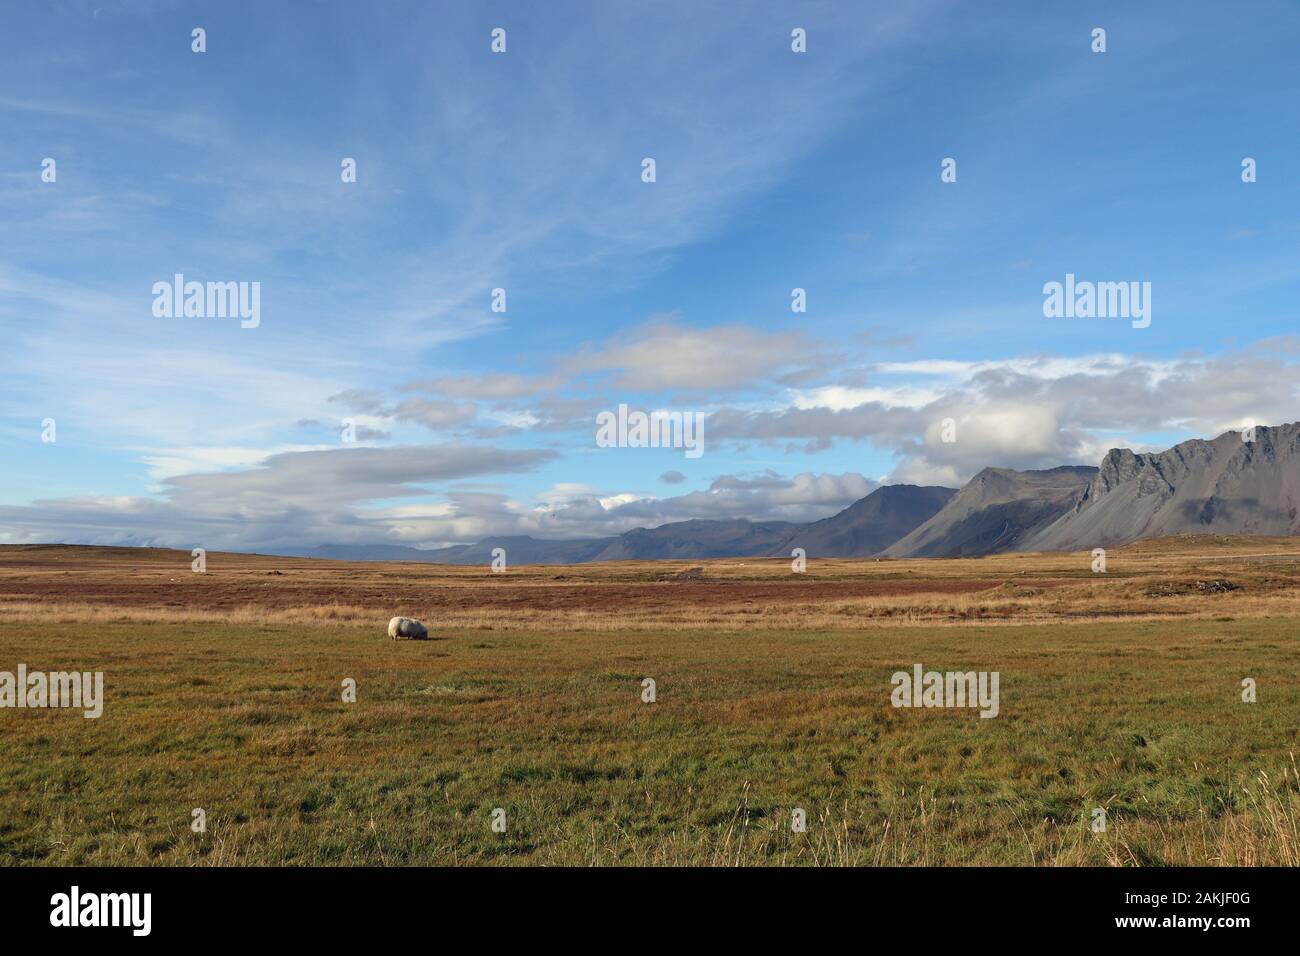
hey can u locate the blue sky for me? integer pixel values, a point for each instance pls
(521, 171)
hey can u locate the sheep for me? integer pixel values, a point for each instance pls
(407, 629)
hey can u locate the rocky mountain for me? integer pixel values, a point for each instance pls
(869, 525)
(1225, 485)
(997, 510)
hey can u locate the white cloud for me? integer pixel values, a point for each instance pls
(435, 413)
(189, 459)
(1030, 412)
(839, 397)
(663, 354)
(291, 499)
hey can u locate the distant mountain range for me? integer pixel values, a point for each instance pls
(864, 528)
(1224, 486)
(871, 524)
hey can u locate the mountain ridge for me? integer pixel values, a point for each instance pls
(1224, 485)
(994, 511)
(693, 538)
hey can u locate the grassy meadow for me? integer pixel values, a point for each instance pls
(246, 721)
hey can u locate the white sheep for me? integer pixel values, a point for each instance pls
(407, 629)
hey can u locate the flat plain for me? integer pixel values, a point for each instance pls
(1120, 690)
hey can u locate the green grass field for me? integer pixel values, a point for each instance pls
(247, 722)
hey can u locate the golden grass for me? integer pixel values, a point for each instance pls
(247, 722)
(1119, 691)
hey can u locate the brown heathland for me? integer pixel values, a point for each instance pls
(1151, 580)
(223, 691)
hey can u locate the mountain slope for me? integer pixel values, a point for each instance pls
(869, 525)
(1224, 485)
(697, 539)
(996, 510)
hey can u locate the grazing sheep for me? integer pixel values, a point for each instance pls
(407, 629)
